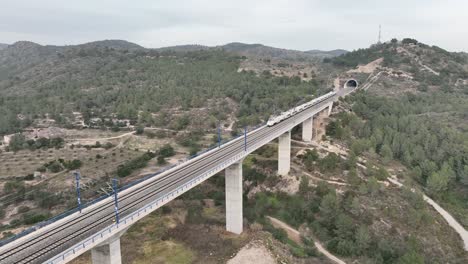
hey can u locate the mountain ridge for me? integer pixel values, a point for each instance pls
(258, 50)
(239, 48)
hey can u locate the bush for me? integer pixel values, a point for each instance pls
(32, 218)
(166, 151)
(72, 165)
(409, 41)
(23, 209)
(29, 177)
(127, 168)
(46, 200)
(161, 160)
(329, 163)
(13, 186)
(55, 167)
(140, 130)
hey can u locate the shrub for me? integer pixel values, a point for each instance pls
(23, 209)
(73, 164)
(166, 151)
(161, 160)
(55, 167)
(140, 130)
(137, 163)
(32, 218)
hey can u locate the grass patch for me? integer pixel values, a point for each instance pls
(164, 252)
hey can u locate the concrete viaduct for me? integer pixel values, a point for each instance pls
(95, 228)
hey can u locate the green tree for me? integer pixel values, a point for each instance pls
(353, 177)
(373, 186)
(363, 239)
(437, 183)
(329, 207)
(411, 257)
(381, 173)
(352, 160)
(55, 167)
(330, 162)
(464, 175)
(386, 153)
(166, 151)
(355, 207)
(310, 156)
(140, 130)
(448, 172)
(161, 160)
(304, 185)
(17, 142)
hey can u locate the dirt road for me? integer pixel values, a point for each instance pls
(295, 236)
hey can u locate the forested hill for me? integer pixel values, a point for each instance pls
(259, 50)
(99, 80)
(416, 112)
(262, 51)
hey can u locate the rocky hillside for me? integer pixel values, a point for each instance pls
(406, 65)
(2, 46)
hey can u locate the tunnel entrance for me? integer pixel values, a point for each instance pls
(351, 83)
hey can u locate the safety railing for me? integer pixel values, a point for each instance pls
(133, 183)
(138, 214)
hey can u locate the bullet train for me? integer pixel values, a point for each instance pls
(285, 115)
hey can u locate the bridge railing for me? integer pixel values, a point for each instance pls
(107, 232)
(128, 185)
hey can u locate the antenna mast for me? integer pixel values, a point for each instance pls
(380, 31)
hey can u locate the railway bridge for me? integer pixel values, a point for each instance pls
(97, 228)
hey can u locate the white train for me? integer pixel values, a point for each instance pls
(285, 115)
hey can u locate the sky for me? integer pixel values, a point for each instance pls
(291, 24)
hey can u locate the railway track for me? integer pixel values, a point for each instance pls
(57, 237)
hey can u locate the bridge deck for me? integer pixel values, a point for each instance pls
(50, 241)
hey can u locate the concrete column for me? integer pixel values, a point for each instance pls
(307, 129)
(234, 217)
(107, 253)
(316, 126)
(284, 153)
(330, 106)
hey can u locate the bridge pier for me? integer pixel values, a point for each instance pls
(108, 252)
(330, 107)
(307, 129)
(233, 180)
(284, 153)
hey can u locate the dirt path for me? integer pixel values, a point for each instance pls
(295, 236)
(253, 253)
(329, 255)
(108, 138)
(296, 167)
(229, 128)
(449, 218)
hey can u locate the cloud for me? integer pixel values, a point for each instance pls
(296, 24)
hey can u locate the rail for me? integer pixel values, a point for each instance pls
(128, 185)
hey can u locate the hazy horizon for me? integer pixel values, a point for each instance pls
(297, 24)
